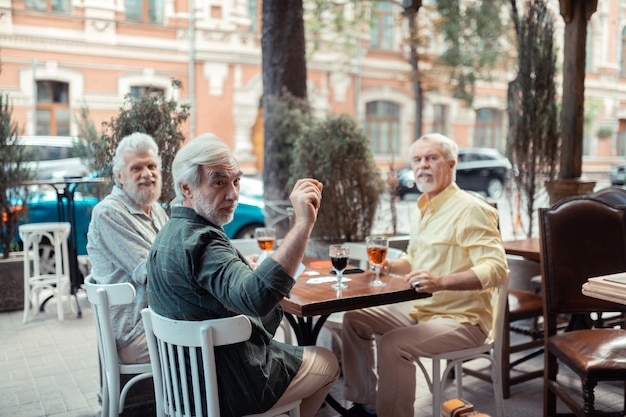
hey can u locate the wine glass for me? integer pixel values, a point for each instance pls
(377, 247)
(265, 238)
(339, 255)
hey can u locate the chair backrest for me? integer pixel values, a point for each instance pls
(615, 196)
(101, 297)
(172, 343)
(580, 238)
(499, 305)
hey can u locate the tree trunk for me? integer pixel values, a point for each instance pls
(284, 67)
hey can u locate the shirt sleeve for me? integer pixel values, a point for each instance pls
(478, 234)
(121, 243)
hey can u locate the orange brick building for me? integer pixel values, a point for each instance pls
(58, 55)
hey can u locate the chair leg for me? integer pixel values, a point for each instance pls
(437, 381)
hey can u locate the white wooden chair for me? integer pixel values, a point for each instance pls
(490, 350)
(170, 341)
(101, 297)
(48, 275)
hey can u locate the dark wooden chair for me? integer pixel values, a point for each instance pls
(580, 237)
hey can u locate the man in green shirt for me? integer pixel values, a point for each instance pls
(195, 273)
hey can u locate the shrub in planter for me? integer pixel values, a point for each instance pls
(335, 151)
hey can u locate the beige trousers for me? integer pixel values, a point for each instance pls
(315, 378)
(402, 340)
(136, 351)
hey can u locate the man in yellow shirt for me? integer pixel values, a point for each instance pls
(455, 252)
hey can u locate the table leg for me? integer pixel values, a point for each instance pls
(307, 330)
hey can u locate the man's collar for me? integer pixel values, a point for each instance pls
(438, 200)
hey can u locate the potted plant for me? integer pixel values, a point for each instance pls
(14, 170)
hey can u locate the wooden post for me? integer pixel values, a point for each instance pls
(576, 14)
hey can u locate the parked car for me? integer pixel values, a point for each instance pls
(618, 175)
(55, 158)
(478, 169)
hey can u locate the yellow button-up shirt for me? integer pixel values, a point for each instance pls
(454, 232)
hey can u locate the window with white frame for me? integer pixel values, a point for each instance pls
(620, 145)
(382, 26)
(382, 126)
(440, 119)
(137, 91)
(488, 131)
(49, 5)
(145, 11)
(52, 116)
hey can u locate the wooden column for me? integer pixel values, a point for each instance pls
(576, 14)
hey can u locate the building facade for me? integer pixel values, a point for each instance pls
(61, 55)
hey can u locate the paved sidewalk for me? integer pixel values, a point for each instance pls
(50, 368)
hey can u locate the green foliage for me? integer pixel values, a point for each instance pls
(336, 151)
(472, 32)
(151, 114)
(534, 137)
(13, 158)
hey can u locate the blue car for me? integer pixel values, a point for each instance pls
(43, 207)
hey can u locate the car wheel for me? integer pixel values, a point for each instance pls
(247, 232)
(495, 188)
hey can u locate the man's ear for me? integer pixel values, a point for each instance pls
(186, 190)
(119, 179)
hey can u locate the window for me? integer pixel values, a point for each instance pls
(140, 90)
(53, 110)
(381, 31)
(488, 132)
(382, 126)
(589, 48)
(440, 113)
(253, 11)
(49, 5)
(146, 11)
(620, 146)
(623, 54)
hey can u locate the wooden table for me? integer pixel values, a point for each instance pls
(528, 248)
(310, 304)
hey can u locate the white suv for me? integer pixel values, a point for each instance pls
(54, 157)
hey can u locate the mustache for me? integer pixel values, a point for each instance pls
(146, 182)
(424, 172)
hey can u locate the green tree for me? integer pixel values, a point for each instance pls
(336, 152)
(534, 137)
(13, 158)
(153, 114)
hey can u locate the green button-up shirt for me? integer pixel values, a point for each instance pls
(195, 273)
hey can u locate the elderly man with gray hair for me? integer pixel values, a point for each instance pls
(122, 228)
(195, 273)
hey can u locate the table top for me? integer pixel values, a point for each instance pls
(313, 299)
(528, 248)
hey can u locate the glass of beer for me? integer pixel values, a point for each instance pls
(265, 238)
(377, 247)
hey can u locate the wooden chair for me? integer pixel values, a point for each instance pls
(171, 341)
(490, 350)
(101, 297)
(580, 238)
